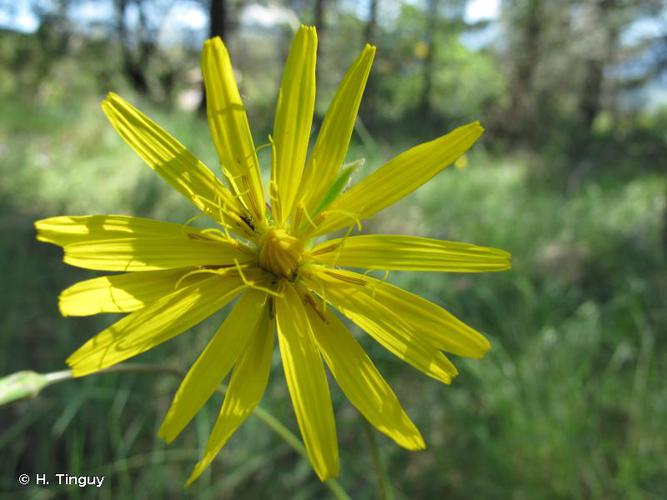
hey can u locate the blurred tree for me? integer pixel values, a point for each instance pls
(217, 18)
(319, 14)
(525, 20)
(137, 52)
(371, 21)
(150, 69)
(565, 64)
(444, 22)
(427, 61)
(217, 26)
(53, 37)
(319, 20)
(370, 36)
(590, 99)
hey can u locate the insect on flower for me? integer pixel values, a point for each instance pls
(270, 258)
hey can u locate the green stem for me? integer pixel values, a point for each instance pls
(384, 489)
(276, 426)
(263, 415)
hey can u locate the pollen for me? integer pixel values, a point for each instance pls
(280, 253)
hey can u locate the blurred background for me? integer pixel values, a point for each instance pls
(570, 178)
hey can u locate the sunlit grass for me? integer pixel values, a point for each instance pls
(570, 401)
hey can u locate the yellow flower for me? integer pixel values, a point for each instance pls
(174, 276)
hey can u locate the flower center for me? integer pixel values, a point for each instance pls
(280, 253)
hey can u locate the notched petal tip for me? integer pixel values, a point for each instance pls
(194, 475)
(41, 226)
(213, 44)
(111, 98)
(164, 434)
(214, 40)
(415, 442)
(369, 49)
(327, 474)
(308, 27)
(484, 346)
(508, 256)
(111, 103)
(62, 307)
(77, 371)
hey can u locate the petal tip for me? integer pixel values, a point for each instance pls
(328, 474)
(194, 475)
(111, 96)
(76, 370)
(484, 348)
(167, 432)
(62, 307)
(164, 434)
(214, 43)
(417, 444)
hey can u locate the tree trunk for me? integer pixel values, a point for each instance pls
(370, 34)
(217, 18)
(133, 67)
(590, 99)
(427, 65)
(664, 226)
(523, 110)
(217, 26)
(371, 24)
(319, 15)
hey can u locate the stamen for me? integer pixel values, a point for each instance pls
(322, 290)
(192, 219)
(224, 235)
(374, 281)
(262, 147)
(253, 284)
(305, 212)
(220, 271)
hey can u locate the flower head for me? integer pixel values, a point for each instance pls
(268, 258)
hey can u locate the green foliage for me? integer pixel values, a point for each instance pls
(570, 401)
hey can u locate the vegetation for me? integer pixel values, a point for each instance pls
(569, 403)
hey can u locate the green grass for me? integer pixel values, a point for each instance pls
(569, 403)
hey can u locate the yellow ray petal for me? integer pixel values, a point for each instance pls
(214, 363)
(245, 390)
(410, 253)
(118, 293)
(229, 127)
(164, 319)
(361, 381)
(351, 294)
(294, 116)
(175, 164)
(124, 243)
(370, 298)
(334, 137)
(307, 383)
(396, 179)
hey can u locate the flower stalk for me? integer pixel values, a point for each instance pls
(28, 384)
